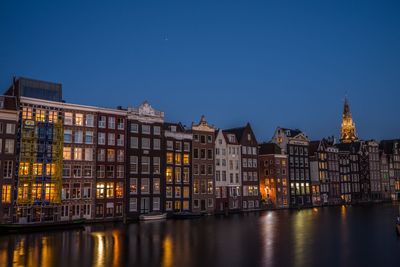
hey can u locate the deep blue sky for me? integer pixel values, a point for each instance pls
(272, 63)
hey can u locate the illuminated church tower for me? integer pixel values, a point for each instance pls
(348, 132)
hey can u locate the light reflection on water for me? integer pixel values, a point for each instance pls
(314, 237)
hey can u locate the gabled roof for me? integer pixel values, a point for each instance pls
(291, 132)
(227, 139)
(352, 147)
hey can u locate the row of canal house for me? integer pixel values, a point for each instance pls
(63, 161)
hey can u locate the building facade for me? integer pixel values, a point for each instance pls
(79, 162)
(178, 176)
(273, 173)
(110, 164)
(203, 155)
(295, 143)
(228, 172)
(145, 185)
(8, 130)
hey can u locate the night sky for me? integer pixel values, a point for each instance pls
(272, 63)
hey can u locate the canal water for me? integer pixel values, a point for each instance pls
(334, 236)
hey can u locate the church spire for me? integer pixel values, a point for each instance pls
(348, 132)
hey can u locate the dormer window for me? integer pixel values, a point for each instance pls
(232, 138)
(173, 128)
(287, 132)
(249, 137)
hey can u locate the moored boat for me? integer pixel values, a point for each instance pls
(153, 216)
(39, 227)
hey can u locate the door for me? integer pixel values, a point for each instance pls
(144, 205)
(203, 205)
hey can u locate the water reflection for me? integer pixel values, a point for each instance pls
(167, 252)
(322, 237)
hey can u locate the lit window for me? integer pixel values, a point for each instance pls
(68, 118)
(110, 190)
(168, 174)
(6, 194)
(27, 113)
(186, 159)
(79, 119)
(40, 115)
(37, 169)
(24, 168)
(100, 190)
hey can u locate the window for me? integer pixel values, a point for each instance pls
(37, 169)
(178, 175)
(77, 153)
(89, 154)
(79, 119)
(168, 174)
(134, 128)
(76, 171)
(145, 164)
(111, 139)
(101, 155)
(133, 186)
(119, 190)
(111, 122)
(196, 186)
(110, 155)
(178, 146)
(209, 139)
(156, 204)
(157, 130)
(9, 146)
(120, 171)
(40, 115)
(68, 118)
(177, 191)
(110, 190)
(10, 128)
(6, 194)
(120, 140)
(67, 153)
(186, 191)
(144, 187)
(209, 187)
(186, 147)
(178, 159)
(202, 139)
(76, 191)
(7, 169)
(168, 192)
(67, 136)
(133, 204)
(156, 186)
(53, 116)
(186, 175)
(121, 124)
(102, 122)
(100, 190)
(156, 144)
(88, 137)
(78, 137)
(134, 142)
(89, 122)
(209, 154)
(27, 113)
(186, 159)
(110, 171)
(170, 145)
(170, 158)
(87, 190)
(156, 165)
(133, 164)
(196, 153)
(146, 129)
(66, 171)
(101, 171)
(145, 143)
(87, 171)
(101, 138)
(120, 155)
